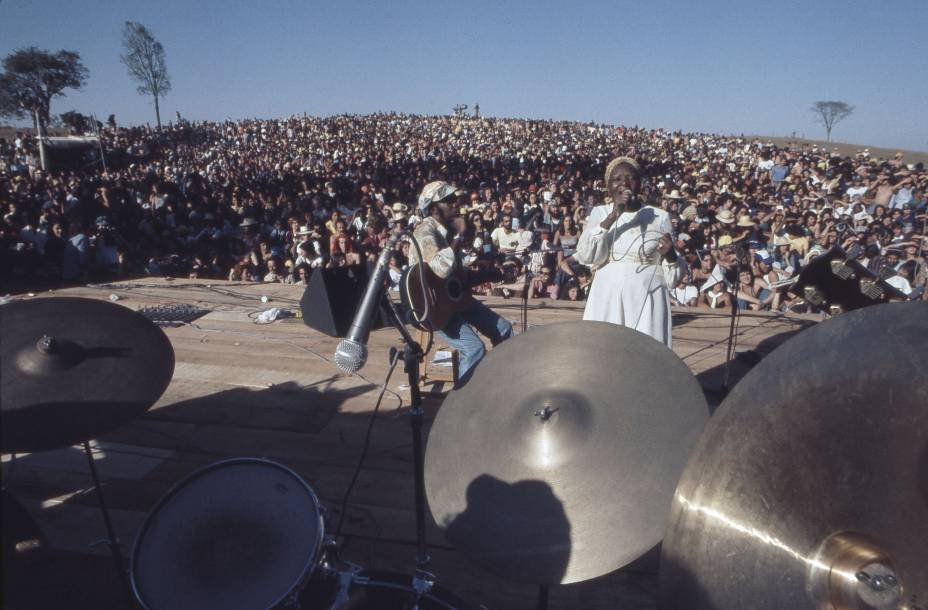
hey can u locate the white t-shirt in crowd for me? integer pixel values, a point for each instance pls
(684, 293)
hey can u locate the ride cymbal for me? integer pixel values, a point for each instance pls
(809, 487)
(75, 368)
(556, 463)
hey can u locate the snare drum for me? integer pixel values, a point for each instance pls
(241, 533)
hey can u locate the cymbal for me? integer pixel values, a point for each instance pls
(557, 462)
(809, 487)
(73, 369)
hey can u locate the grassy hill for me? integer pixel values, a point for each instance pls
(842, 148)
(845, 149)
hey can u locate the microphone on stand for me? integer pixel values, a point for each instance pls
(351, 353)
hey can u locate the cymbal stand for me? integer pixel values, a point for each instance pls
(111, 539)
(423, 581)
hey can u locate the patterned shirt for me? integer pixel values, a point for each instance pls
(432, 238)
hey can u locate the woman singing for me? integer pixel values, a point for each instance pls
(629, 245)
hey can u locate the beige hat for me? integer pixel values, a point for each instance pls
(399, 210)
(745, 221)
(304, 230)
(781, 240)
(618, 161)
(689, 213)
(674, 194)
(725, 217)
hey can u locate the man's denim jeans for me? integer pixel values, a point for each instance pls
(459, 334)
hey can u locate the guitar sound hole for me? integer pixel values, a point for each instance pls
(455, 289)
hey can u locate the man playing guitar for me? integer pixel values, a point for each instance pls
(436, 202)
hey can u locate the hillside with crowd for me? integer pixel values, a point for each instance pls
(271, 200)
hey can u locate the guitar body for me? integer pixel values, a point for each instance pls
(444, 296)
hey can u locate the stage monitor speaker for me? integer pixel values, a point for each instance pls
(832, 282)
(332, 298)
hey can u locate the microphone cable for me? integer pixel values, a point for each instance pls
(394, 359)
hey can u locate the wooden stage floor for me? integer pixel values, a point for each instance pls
(244, 389)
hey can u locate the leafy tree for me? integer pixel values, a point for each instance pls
(831, 113)
(75, 121)
(31, 77)
(144, 59)
(111, 121)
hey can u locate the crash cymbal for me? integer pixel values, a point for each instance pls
(809, 487)
(557, 462)
(74, 368)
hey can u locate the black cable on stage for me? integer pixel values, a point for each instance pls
(394, 358)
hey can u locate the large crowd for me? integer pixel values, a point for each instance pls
(271, 200)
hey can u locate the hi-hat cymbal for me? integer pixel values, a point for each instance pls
(556, 463)
(809, 487)
(75, 368)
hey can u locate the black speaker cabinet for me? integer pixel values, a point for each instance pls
(332, 298)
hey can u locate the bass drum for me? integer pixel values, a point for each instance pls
(244, 533)
(375, 590)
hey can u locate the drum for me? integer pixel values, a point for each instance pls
(374, 590)
(241, 533)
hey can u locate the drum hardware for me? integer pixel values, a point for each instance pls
(74, 369)
(360, 589)
(111, 540)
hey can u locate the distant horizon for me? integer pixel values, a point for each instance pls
(27, 125)
(719, 66)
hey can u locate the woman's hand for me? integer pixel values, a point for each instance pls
(618, 206)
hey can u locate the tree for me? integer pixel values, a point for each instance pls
(145, 60)
(75, 121)
(32, 77)
(831, 113)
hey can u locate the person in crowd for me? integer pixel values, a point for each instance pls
(198, 197)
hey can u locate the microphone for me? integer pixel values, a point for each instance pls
(351, 353)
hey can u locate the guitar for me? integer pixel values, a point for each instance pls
(444, 296)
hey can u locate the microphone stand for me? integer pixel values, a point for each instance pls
(422, 581)
(526, 269)
(731, 329)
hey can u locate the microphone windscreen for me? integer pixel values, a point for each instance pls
(350, 355)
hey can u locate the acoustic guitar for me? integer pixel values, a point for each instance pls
(444, 296)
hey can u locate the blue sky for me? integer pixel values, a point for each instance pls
(715, 65)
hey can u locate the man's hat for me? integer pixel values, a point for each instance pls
(434, 192)
(399, 210)
(781, 240)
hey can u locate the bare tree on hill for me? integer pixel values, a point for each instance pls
(830, 113)
(145, 60)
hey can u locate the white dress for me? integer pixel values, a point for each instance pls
(631, 282)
